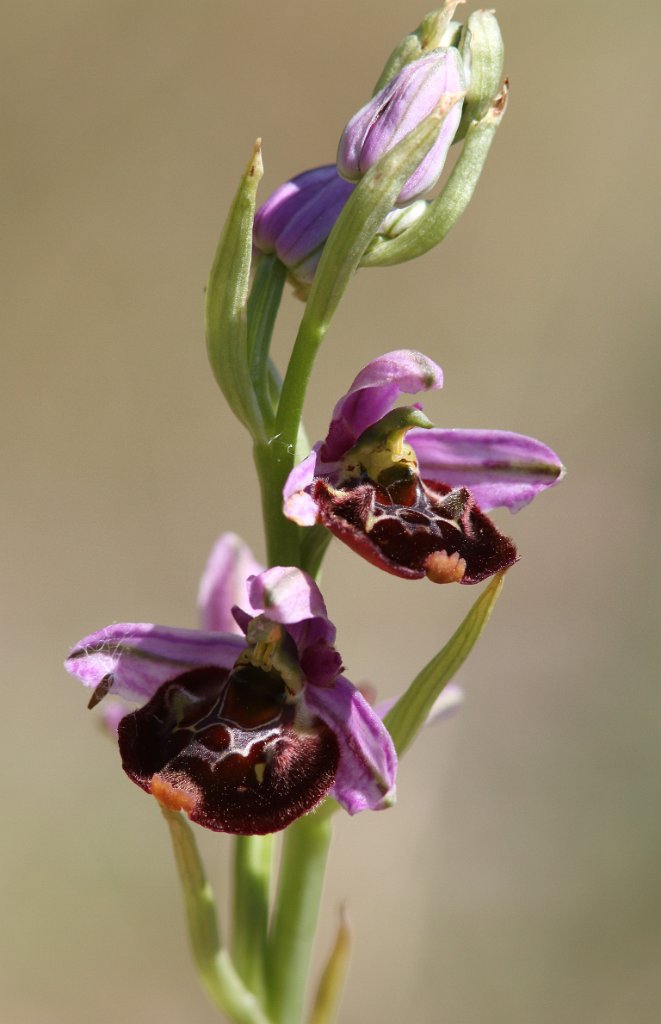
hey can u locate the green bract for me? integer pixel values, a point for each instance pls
(227, 303)
(483, 52)
(443, 212)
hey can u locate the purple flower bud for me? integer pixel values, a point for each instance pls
(298, 217)
(418, 89)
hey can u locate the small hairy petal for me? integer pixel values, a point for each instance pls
(137, 658)
(224, 583)
(367, 767)
(500, 468)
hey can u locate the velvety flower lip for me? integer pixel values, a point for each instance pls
(244, 733)
(415, 508)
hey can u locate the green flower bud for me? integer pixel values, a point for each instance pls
(482, 50)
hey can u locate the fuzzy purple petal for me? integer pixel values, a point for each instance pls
(140, 657)
(500, 468)
(367, 768)
(224, 583)
(373, 393)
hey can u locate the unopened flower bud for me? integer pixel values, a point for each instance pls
(420, 88)
(298, 217)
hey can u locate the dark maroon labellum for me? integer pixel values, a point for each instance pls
(229, 750)
(413, 529)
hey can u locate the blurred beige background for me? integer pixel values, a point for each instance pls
(518, 879)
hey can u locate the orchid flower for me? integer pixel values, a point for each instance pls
(244, 733)
(415, 507)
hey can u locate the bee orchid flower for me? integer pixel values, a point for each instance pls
(244, 731)
(410, 498)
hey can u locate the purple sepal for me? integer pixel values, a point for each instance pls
(418, 89)
(365, 777)
(224, 583)
(501, 469)
(298, 217)
(137, 658)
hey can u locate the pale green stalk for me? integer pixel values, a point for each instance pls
(253, 860)
(304, 853)
(213, 962)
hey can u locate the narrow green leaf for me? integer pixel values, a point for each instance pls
(212, 960)
(407, 717)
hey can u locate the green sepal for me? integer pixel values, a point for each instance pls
(227, 301)
(483, 52)
(436, 29)
(409, 714)
(443, 212)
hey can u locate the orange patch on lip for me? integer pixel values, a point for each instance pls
(170, 796)
(443, 568)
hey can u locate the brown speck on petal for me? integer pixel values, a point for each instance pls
(443, 568)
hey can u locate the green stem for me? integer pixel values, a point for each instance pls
(263, 306)
(305, 849)
(253, 858)
(273, 462)
(212, 960)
